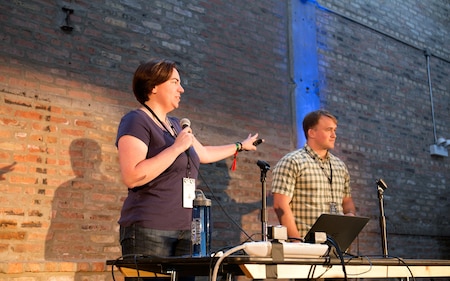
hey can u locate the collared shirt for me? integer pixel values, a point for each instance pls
(313, 184)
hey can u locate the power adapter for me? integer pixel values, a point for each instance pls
(278, 232)
(316, 238)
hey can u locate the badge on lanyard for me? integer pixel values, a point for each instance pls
(333, 208)
(188, 192)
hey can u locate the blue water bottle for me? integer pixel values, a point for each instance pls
(200, 226)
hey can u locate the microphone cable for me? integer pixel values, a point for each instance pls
(220, 205)
(184, 123)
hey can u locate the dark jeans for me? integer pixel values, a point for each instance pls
(137, 240)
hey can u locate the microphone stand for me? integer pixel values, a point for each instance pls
(264, 166)
(381, 186)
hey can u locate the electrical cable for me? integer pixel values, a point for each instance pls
(213, 277)
(234, 249)
(326, 270)
(430, 89)
(407, 266)
(333, 243)
(216, 255)
(296, 239)
(361, 273)
(393, 37)
(220, 205)
(311, 272)
(122, 258)
(401, 260)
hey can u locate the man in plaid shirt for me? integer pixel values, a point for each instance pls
(311, 181)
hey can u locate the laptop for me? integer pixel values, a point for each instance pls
(343, 229)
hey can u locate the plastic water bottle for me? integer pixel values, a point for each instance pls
(200, 226)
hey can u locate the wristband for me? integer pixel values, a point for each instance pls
(239, 146)
(238, 149)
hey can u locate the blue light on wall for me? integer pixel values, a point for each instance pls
(305, 73)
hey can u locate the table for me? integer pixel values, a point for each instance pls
(262, 268)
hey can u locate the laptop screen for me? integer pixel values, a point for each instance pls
(343, 229)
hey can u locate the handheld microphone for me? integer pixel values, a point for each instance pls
(185, 123)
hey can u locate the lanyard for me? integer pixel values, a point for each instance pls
(162, 123)
(329, 177)
(188, 167)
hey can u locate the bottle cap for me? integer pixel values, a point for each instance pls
(200, 199)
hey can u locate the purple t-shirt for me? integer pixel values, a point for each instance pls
(159, 203)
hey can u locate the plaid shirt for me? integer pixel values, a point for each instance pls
(305, 178)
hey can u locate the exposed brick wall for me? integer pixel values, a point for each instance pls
(374, 76)
(62, 96)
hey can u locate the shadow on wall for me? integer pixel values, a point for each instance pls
(84, 212)
(229, 215)
(6, 169)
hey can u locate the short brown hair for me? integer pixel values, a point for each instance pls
(311, 119)
(150, 74)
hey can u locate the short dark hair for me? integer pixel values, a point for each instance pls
(311, 119)
(150, 74)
